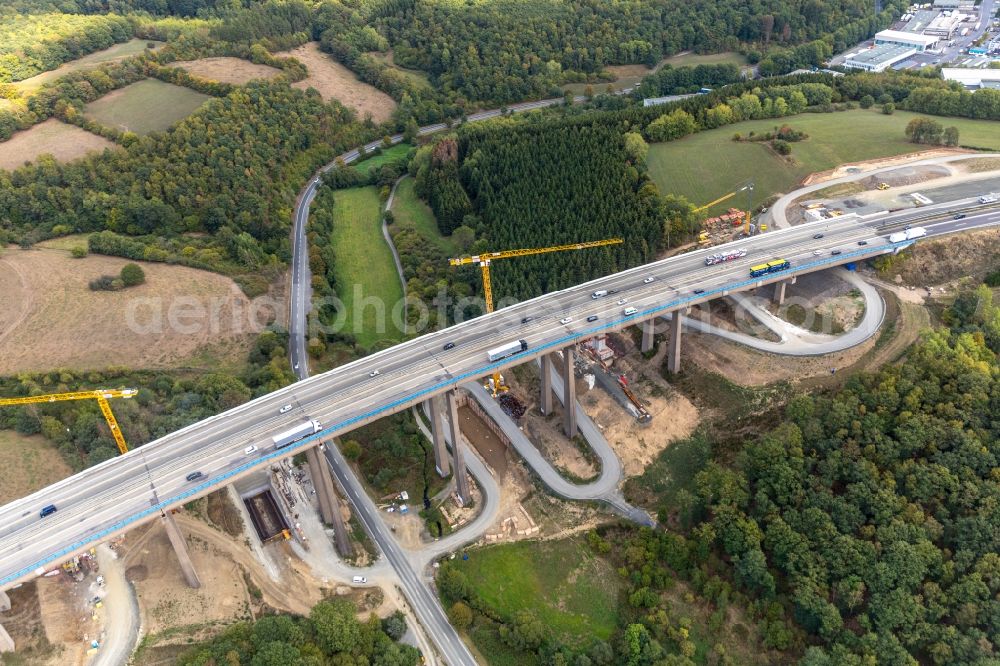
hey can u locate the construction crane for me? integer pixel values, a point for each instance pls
(484, 260)
(101, 395)
(748, 188)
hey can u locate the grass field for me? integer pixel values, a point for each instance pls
(145, 106)
(334, 81)
(228, 70)
(414, 75)
(707, 165)
(364, 267)
(28, 464)
(62, 141)
(387, 155)
(630, 75)
(116, 52)
(574, 593)
(181, 317)
(410, 211)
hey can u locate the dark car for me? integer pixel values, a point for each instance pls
(699, 291)
(817, 236)
(960, 216)
(862, 242)
(194, 476)
(835, 252)
(526, 320)
(449, 345)
(47, 510)
(592, 318)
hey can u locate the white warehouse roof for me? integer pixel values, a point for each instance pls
(971, 78)
(906, 37)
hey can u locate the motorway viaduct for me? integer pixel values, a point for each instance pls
(144, 484)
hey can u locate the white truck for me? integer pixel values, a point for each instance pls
(508, 349)
(295, 434)
(907, 234)
(988, 198)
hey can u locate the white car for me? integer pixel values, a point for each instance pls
(250, 449)
(817, 252)
(285, 409)
(359, 580)
(622, 301)
(373, 373)
(565, 320)
(648, 280)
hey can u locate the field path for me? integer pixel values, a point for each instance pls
(26, 305)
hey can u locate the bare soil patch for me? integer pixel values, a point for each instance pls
(24, 624)
(181, 317)
(234, 585)
(228, 70)
(28, 464)
(638, 444)
(878, 163)
(335, 81)
(53, 137)
(935, 262)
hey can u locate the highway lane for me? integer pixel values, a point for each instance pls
(140, 484)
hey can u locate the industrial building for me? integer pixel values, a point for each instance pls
(907, 39)
(973, 79)
(919, 21)
(879, 58)
(945, 25)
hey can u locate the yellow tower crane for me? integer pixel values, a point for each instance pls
(748, 188)
(484, 260)
(101, 395)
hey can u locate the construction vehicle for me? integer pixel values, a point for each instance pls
(101, 395)
(484, 260)
(883, 186)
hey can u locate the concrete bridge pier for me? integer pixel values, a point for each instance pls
(461, 475)
(674, 347)
(569, 393)
(437, 430)
(648, 330)
(6, 642)
(180, 548)
(545, 404)
(779, 290)
(329, 503)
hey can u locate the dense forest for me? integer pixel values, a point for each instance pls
(861, 530)
(229, 169)
(331, 634)
(517, 49)
(165, 402)
(33, 44)
(517, 184)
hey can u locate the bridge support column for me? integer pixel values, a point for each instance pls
(545, 405)
(437, 430)
(648, 330)
(461, 475)
(779, 290)
(6, 642)
(674, 349)
(328, 493)
(569, 393)
(180, 548)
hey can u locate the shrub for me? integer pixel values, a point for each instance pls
(888, 108)
(867, 102)
(782, 147)
(78, 252)
(132, 275)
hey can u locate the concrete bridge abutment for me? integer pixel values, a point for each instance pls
(457, 450)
